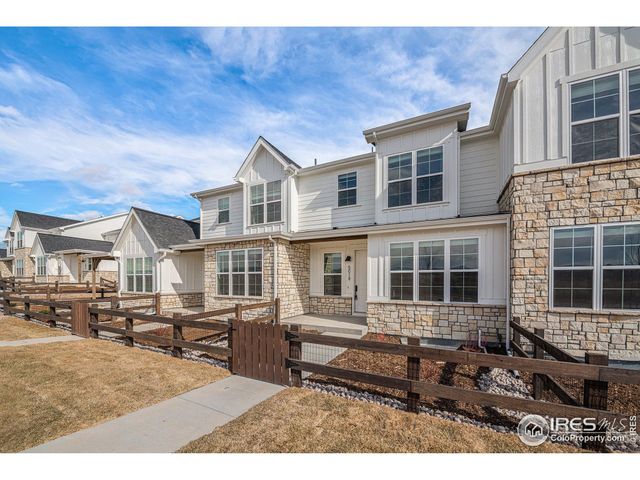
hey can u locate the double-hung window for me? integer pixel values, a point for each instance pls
(332, 274)
(265, 196)
(347, 189)
(634, 112)
(239, 272)
(20, 240)
(19, 267)
(400, 180)
(429, 175)
(447, 270)
(41, 266)
(431, 271)
(401, 268)
(621, 267)
(595, 119)
(139, 274)
(573, 255)
(10, 246)
(87, 265)
(223, 210)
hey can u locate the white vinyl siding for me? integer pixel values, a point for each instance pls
(210, 215)
(479, 186)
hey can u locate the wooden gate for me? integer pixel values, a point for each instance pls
(260, 351)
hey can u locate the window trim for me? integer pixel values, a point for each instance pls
(246, 272)
(354, 172)
(19, 240)
(19, 261)
(414, 178)
(443, 271)
(143, 274)
(324, 274)
(43, 259)
(629, 112)
(598, 268)
(228, 210)
(265, 202)
(447, 269)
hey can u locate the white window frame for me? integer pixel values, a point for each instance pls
(629, 112)
(246, 273)
(19, 239)
(41, 266)
(346, 189)
(414, 178)
(19, 267)
(447, 269)
(598, 267)
(265, 203)
(89, 261)
(443, 271)
(135, 275)
(324, 274)
(228, 210)
(10, 246)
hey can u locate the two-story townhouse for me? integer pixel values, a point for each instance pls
(6, 264)
(51, 249)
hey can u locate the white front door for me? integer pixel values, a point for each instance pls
(360, 286)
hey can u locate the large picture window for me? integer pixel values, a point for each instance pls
(332, 268)
(265, 197)
(347, 189)
(424, 169)
(239, 272)
(139, 274)
(41, 266)
(634, 112)
(595, 116)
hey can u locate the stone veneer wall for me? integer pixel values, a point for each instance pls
(112, 276)
(29, 265)
(181, 300)
(599, 192)
(6, 269)
(293, 277)
(434, 320)
(330, 305)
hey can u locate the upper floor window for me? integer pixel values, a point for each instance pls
(139, 274)
(20, 240)
(223, 210)
(265, 196)
(347, 189)
(609, 279)
(10, 246)
(424, 169)
(332, 274)
(595, 119)
(634, 112)
(239, 272)
(41, 265)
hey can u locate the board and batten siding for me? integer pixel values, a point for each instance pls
(317, 203)
(210, 227)
(444, 134)
(539, 109)
(492, 260)
(183, 273)
(479, 176)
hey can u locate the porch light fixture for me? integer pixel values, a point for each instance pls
(347, 259)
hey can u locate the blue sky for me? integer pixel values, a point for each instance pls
(94, 120)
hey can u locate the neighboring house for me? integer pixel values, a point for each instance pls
(149, 263)
(52, 260)
(444, 231)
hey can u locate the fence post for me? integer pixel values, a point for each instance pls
(538, 380)
(177, 335)
(295, 353)
(93, 318)
(113, 301)
(51, 321)
(230, 359)
(413, 373)
(516, 334)
(57, 286)
(239, 312)
(27, 308)
(128, 326)
(595, 396)
(157, 301)
(276, 310)
(80, 318)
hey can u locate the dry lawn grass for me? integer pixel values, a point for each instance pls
(47, 391)
(300, 420)
(12, 328)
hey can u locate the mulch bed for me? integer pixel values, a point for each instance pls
(456, 375)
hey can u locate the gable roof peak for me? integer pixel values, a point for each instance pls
(273, 150)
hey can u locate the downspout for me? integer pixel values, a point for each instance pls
(508, 313)
(275, 267)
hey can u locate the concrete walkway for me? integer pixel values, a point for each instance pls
(35, 341)
(168, 425)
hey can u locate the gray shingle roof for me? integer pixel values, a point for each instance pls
(166, 230)
(56, 243)
(285, 157)
(43, 222)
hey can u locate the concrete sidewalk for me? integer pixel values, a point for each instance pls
(35, 341)
(169, 425)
